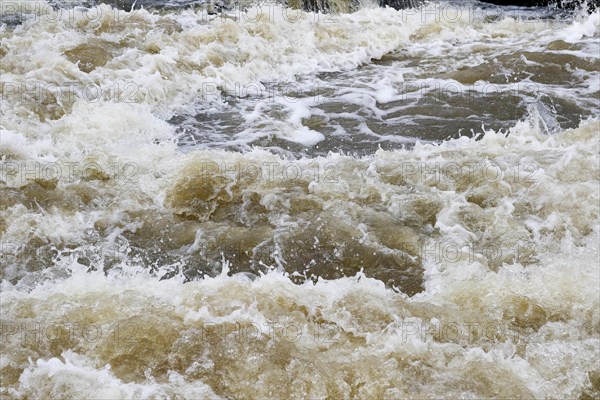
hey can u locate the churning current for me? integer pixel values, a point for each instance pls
(254, 201)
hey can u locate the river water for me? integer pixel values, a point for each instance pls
(266, 203)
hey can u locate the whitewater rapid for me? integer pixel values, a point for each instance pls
(199, 206)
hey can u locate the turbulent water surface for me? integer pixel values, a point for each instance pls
(259, 202)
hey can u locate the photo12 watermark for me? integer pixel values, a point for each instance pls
(463, 332)
(525, 172)
(464, 12)
(29, 332)
(71, 13)
(273, 331)
(77, 14)
(21, 172)
(268, 172)
(449, 91)
(87, 254)
(69, 92)
(267, 92)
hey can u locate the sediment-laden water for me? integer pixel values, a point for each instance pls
(267, 203)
